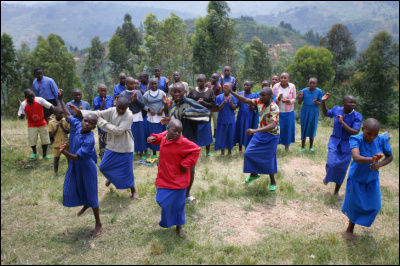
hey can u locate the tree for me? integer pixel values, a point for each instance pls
(8, 70)
(378, 68)
(310, 62)
(283, 61)
(130, 34)
(120, 60)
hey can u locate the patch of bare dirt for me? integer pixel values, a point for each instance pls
(303, 168)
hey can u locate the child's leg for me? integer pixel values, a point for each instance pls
(84, 208)
(134, 193)
(179, 231)
(34, 149)
(44, 149)
(273, 182)
(286, 148)
(240, 147)
(155, 153)
(55, 163)
(208, 149)
(229, 152)
(349, 232)
(223, 152)
(311, 142)
(337, 187)
(192, 172)
(98, 227)
(303, 143)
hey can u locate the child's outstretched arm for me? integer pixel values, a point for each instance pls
(300, 100)
(63, 106)
(358, 158)
(73, 157)
(324, 98)
(240, 98)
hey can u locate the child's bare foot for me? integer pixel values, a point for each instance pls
(108, 183)
(179, 231)
(135, 195)
(82, 210)
(97, 230)
(349, 236)
(325, 183)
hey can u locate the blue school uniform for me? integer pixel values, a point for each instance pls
(118, 169)
(80, 185)
(143, 87)
(310, 112)
(225, 133)
(362, 201)
(256, 119)
(339, 153)
(162, 84)
(172, 203)
(85, 106)
(98, 102)
(230, 79)
(244, 121)
(118, 89)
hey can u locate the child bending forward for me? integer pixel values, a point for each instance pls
(177, 156)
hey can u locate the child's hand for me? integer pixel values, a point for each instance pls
(315, 100)
(340, 118)
(222, 76)
(183, 170)
(151, 139)
(377, 157)
(168, 79)
(165, 120)
(60, 94)
(104, 102)
(284, 100)
(75, 109)
(325, 97)
(280, 97)
(374, 166)
(160, 112)
(152, 113)
(250, 131)
(63, 146)
(59, 124)
(201, 100)
(236, 79)
(165, 99)
(115, 100)
(300, 95)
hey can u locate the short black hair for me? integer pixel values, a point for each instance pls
(201, 76)
(159, 67)
(57, 109)
(347, 97)
(122, 102)
(267, 90)
(144, 73)
(175, 122)
(28, 92)
(178, 85)
(372, 123)
(36, 69)
(93, 116)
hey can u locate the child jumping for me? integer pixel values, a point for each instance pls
(177, 155)
(347, 122)
(362, 201)
(80, 185)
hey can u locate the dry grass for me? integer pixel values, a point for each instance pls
(301, 223)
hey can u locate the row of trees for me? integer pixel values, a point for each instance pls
(213, 43)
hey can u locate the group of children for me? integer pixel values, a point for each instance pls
(136, 120)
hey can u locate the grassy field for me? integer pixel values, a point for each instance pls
(301, 223)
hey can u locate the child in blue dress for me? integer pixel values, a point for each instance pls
(311, 96)
(225, 134)
(347, 122)
(162, 81)
(362, 201)
(80, 185)
(245, 117)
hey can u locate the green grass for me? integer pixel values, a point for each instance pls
(233, 223)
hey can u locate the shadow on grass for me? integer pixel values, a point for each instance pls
(331, 200)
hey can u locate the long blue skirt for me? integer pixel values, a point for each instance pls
(204, 135)
(118, 169)
(337, 165)
(309, 121)
(362, 201)
(225, 136)
(260, 155)
(80, 184)
(172, 203)
(139, 136)
(244, 121)
(154, 128)
(287, 127)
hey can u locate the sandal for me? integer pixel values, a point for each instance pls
(33, 156)
(46, 157)
(209, 154)
(302, 149)
(250, 179)
(312, 149)
(191, 199)
(272, 188)
(152, 160)
(143, 162)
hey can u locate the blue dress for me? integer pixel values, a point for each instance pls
(339, 153)
(118, 169)
(162, 84)
(118, 89)
(244, 121)
(362, 201)
(80, 185)
(309, 112)
(225, 133)
(172, 203)
(85, 106)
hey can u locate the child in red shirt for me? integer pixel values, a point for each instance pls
(177, 155)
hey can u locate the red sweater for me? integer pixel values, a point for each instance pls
(173, 155)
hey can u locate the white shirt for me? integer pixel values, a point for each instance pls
(285, 92)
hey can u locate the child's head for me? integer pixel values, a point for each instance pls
(201, 80)
(227, 71)
(370, 129)
(247, 86)
(312, 83)
(102, 90)
(122, 105)
(174, 129)
(284, 80)
(88, 123)
(227, 86)
(153, 84)
(265, 84)
(130, 83)
(137, 84)
(77, 95)
(38, 73)
(266, 95)
(58, 113)
(29, 96)
(214, 78)
(157, 71)
(349, 103)
(275, 79)
(143, 77)
(178, 91)
(177, 76)
(122, 78)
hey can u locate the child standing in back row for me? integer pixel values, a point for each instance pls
(162, 81)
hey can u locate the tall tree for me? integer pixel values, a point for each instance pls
(283, 61)
(130, 34)
(120, 60)
(378, 68)
(310, 62)
(8, 70)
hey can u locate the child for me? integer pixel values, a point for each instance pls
(225, 135)
(311, 96)
(190, 113)
(286, 97)
(227, 78)
(177, 78)
(217, 89)
(59, 130)
(136, 104)
(162, 81)
(144, 82)
(245, 117)
(120, 87)
(362, 201)
(116, 164)
(264, 84)
(347, 122)
(275, 79)
(205, 97)
(82, 105)
(102, 102)
(260, 155)
(33, 108)
(80, 185)
(177, 154)
(155, 107)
